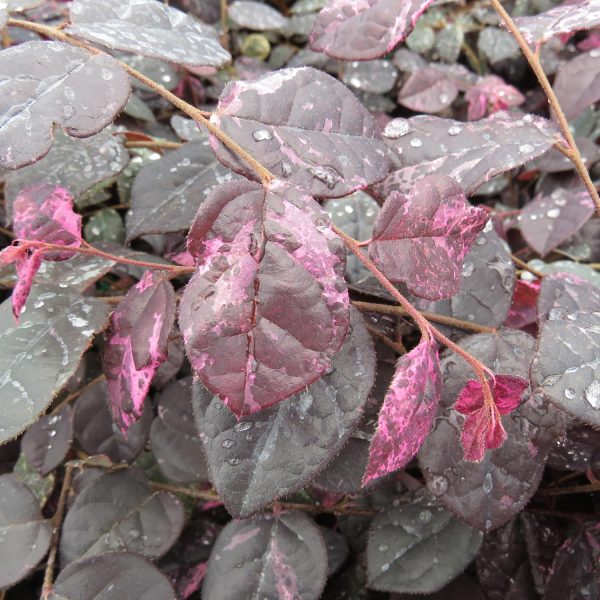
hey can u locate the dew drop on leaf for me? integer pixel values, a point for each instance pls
(261, 134)
(570, 393)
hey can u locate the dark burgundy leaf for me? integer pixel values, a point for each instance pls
(186, 129)
(462, 586)
(174, 438)
(423, 238)
(523, 310)
(489, 95)
(487, 494)
(373, 77)
(149, 28)
(352, 30)
(577, 83)
(113, 575)
(174, 361)
(166, 194)
(25, 535)
(279, 450)
(344, 474)
(428, 90)
(579, 450)
(136, 344)
(337, 550)
(97, 432)
(46, 443)
(547, 221)
(417, 547)
(120, 511)
(267, 556)
(47, 84)
(54, 331)
(305, 127)
(470, 153)
(255, 15)
(562, 293)
(267, 308)
(407, 413)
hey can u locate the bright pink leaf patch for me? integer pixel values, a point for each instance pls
(268, 306)
(136, 345)
(483, 428)
(407, 413)
(423, 238)
(523, 310)
(489, 95)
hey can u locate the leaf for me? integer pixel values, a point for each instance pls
(489, 493)
(77, 274)
(349, 30)
(25, 534)
(562, 293)
(279, 556)
(50, 83)
(166, 194)
(46, 443)
(106, 225)
(569, 17)
(407, 413)
(423, 238)
(489, 95)
(136, 344)
(428, 90)
(174, 438)
(267, 307)
(112, 575)
(26, 262)
(149, 28)
(343, 475)
(256, 16)
(54, 331)
(577, 83)
(305, 127)
(337, 550)
(470, 153)
(277, 451)
(547, 221)
(417, 547)
(119, 511)
(42, 487)
(372, 77)
(186, 129)
(566, 365)
(523, 310)
(97, 433)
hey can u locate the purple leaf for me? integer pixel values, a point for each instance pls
(267, 307)
(470, 153)
(136, 345)
(428, 90)
(489, 95)
(563, 293)
(571, 16)
(351, 30)
(27, 262)
(305, 127)
(547, 221)
(256, 16)
(423, 238)
(577, 83)
(148, 28)
(47, 84)
(407, 412)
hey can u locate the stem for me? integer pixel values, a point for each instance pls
(578, 489)
(395, 346)
(76, 394)
(523, 265)
(154, 145)
(572, 151)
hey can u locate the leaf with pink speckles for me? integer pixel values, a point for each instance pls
(268, 306)
(547, 221)
(267, 556)
(423, 238)
(407, 412)
(304, 126)
(366, 29)
(136, 345)
(489, 95)
(428, 90)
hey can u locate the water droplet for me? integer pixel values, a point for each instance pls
(396, 129)
(416, 143)
(454, 130)
(385, 567)
(383, 548)
(570, 393)
(555, 314)
(553, 213)
(592, 394)
(327, 175)
(286, 169)
(233, 461)
(243, 426)
(107, 75)
(261, 134)
(52, 432)
(438, 485)
(488, 524)
(425, 516)
(321, 223)
(468, 269)
(488, 484)
(227, 443)
(443, 98)
(526, 148)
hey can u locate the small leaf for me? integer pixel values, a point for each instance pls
(428, 90)
(42, 487)
(351, 30)
(267, 307)
(523, 309)
(407, 412)
(267, 556)
(149, 28)
(136, 345)
(25, 533)
(306, 128)
(256, 16)
(47, 84)
(423, 238)
(489, 95)
(577, 83)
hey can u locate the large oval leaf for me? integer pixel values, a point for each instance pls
(305, 127)
(277, 451)
(268, 306)
(50, 83)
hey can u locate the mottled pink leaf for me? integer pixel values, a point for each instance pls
(27, 265)
(569, 17)
(428, 90)
(523, 309)
(423, 238)
(364, 29)
(268, 305)
(547, 221)
(577, 83)
(136, 345)
(407, 412)
(489, 95)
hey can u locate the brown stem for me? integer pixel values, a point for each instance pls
(395, 346)
(534, 62)
(154, 145)
(523, 265)
(577, 489)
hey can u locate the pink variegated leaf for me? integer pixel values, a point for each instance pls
(268, 306)
(27, 266)
(482, 430)
(489, 95)
(136, 345)
(423, 238)
(364, 29)
(407, 413)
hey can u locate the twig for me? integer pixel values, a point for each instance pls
(154, 144)
(523, 265)
(577, 489)
(74, 395)
(395, 346)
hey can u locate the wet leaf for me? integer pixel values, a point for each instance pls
(255, 15)
(563, 293)
(428, 90)
(523, 309)
(373, 76)
(105, 226)
(577, 83)
(489, 95)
